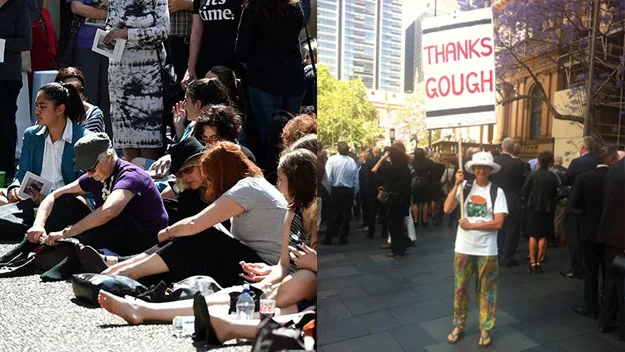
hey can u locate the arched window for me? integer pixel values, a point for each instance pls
(536, 113)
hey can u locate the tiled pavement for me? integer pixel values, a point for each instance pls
(368, 302)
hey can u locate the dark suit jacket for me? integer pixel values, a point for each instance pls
(373, 181)
(579, 165)
(612, 223)
(587, 196)
(438, 170)
(540, 191)
(584, 163)
(510, 178)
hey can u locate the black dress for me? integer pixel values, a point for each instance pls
(540, 191)
(421, 177)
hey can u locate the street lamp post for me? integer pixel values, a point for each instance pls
(391, 135)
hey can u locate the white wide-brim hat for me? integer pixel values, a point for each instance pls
(482, 158)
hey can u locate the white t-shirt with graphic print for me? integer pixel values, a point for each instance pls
(479, 208)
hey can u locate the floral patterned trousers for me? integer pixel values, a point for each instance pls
(486, 270)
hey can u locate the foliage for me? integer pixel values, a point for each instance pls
(531, 35)
(345, 114)
(410, 120)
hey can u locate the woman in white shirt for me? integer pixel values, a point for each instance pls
(476, 245)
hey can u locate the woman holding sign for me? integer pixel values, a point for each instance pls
(476, 244)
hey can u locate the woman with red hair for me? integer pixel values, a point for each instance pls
(194, 246)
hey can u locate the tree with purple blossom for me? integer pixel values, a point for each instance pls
(534, 37)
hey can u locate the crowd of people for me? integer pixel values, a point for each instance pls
(505, 199)
(208, 171)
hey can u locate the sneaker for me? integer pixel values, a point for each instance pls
(91, 260)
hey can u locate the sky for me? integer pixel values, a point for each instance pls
(413, 8)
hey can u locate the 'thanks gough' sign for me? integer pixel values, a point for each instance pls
(459, 67)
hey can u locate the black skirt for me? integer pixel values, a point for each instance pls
(539, 224)
(210, 253)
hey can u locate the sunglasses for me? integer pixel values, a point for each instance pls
(92, 169)
(185, 171)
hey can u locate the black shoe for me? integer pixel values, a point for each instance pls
(204, 331)
(412, 244)
(606, 329)
(511, 263)
(91, 260)
(581, 310)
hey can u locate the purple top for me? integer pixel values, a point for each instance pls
(86, 34)
(146, 206)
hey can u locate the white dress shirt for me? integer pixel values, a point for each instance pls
(53, 156)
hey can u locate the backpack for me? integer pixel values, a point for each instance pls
(493, 191)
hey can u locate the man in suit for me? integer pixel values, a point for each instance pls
(510, 178)
(587, 161)
(588, 197)
(611, 233)
(342, 174)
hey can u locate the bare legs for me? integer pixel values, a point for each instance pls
(302, 285)
(542, 249)
(532, 250)
(141, 265)
(538, 250)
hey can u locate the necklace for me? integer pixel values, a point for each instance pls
(108, 185)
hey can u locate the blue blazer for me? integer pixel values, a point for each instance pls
(32, 154)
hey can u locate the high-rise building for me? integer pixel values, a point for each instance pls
(362, 38)
(409, 59)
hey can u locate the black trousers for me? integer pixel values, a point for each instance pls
(395, 219)
(592, 254)
(374, 207)
(341, 199)
(210, 253)
(508, 238)
(613, 291)
(178, 53)
(575, 256)
(9, 90)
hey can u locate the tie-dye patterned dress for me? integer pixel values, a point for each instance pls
(135, 85)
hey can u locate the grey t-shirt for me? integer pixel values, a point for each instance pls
(260, 225)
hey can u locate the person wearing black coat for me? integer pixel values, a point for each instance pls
(611, 233)
(511, 179)
(586, 162)
(421, 186)
(588, 197)
(363, 199)
(540, 190)
(438, 169)
(373, 182)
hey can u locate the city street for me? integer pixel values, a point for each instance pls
(368, 302)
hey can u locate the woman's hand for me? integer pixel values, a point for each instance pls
(465, 224)
(34, 233)
(386, 155)
(459, 177)
(38, 197)
(189, 77)
(254, 272)
(161, 166)
(12, 196)
(306, 259)
(53, 238)
(116, 34)
(180, 116)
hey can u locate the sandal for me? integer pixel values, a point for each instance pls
(532, 268)
(455, 337)
(481, 343)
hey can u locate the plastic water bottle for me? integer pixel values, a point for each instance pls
(245, 304)
(183, 326)
(267, 303)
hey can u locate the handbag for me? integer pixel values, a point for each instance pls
(87, 286)
(383, 196)
(273, 336)
(168, 77)
(16, 219)
(67, 43)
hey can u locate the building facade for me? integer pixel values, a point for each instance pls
(362, 38)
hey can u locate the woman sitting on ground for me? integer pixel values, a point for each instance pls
(220, 123)
(94, 120)
(240, 192)
(48, 149)
(294, 287)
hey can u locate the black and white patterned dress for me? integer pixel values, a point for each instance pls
(134, 81)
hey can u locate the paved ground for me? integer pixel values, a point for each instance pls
(368, 302)
(36, 316)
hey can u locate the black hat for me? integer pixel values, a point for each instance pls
(183, 152)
